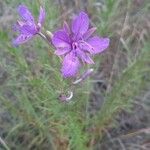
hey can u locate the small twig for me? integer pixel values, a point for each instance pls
(126, 136)
(4, 144)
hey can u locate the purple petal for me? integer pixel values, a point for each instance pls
(87, 59)
(89, 33)
(18, 25)
(61, 39)
(25, 13)
(84, 56)
(25, 28)
(70, 66)
(80, 24)
(86, 47)
(62, 51)
(22, 38)
(41, 16)
(98, 44)
(28, 29)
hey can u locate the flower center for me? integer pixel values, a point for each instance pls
(74, 45)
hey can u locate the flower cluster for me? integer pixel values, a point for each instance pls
(74, 44)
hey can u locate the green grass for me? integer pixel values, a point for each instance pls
(129, 84)
(38, 119)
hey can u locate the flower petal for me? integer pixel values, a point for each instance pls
(80, 24)
(89, 33)
(25, 28)
(98, 44)
(61, 39)
(70, 66)
(25, 13)
(28, 29)
(18, 25)
(62, 51)
(86, 47)
(84, 56)
(41, 16)
(87, 59)
(22, 38)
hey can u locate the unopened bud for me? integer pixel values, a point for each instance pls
(49, 34)
(65, 98)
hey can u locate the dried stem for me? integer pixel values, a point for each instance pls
(117, 51)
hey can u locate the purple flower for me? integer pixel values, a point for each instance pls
(27, 27)
(76, 44)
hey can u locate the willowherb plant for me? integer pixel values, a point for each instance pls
(54, 109)
(74, 44)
